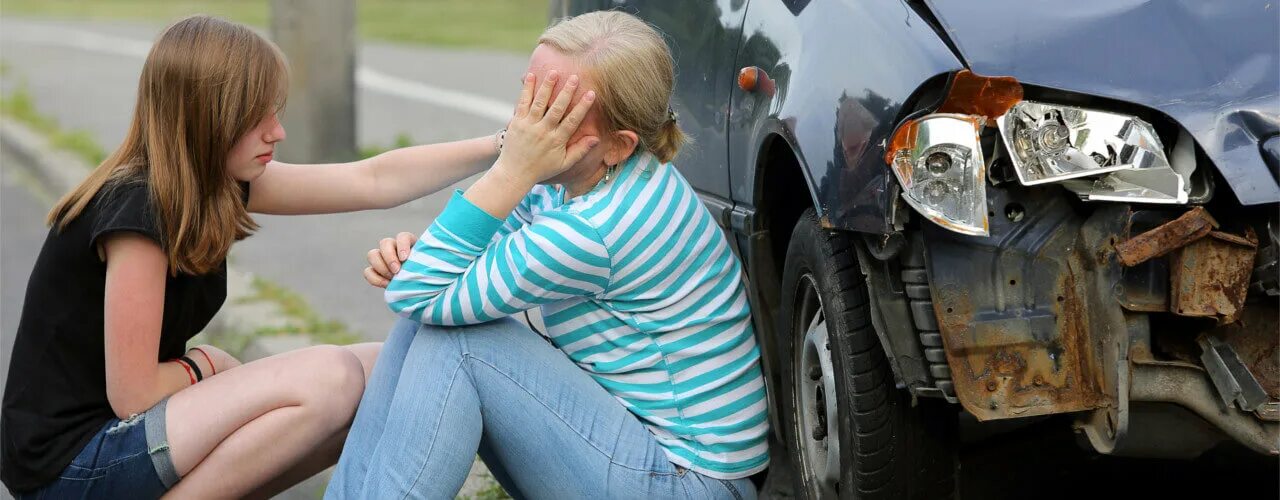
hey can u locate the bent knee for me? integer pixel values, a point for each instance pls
(333, 381)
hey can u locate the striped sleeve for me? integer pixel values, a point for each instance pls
(464, 270)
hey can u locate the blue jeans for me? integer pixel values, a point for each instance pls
(546, 429)
(125, 459)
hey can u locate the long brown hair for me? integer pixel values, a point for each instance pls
(206, 83)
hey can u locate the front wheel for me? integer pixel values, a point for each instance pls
(850, 432)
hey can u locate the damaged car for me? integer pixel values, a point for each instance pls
(1008, 209)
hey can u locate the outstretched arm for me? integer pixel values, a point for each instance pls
(384, 181)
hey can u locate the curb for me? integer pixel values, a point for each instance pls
(58, 170)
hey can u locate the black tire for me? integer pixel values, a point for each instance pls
(887, 448)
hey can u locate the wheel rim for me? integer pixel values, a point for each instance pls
(815, 393)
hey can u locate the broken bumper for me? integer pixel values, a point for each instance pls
(1060, 311)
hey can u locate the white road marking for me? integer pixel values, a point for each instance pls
(366, 77)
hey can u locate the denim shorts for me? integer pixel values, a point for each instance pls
(125, 459)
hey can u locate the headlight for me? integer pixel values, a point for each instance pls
(1098, 155)
(942, 172)
(1052, 143)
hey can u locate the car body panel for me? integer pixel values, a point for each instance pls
(842, 71)
(703, 37)
(1214, 67)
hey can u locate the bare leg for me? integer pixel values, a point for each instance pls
(236, 432)
(367, 353)
(325, 455)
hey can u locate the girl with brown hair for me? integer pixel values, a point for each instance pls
(104, 399)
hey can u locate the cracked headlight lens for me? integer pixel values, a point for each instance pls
(942, 172)
(1123, 154)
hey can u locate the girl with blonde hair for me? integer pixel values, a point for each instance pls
(104, 399)
(646, 382)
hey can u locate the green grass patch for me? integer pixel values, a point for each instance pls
(304, 319)
(492, 492)
(19, 105)
(511, 25)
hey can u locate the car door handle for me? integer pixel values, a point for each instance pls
(752, 78)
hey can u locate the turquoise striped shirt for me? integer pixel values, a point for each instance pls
(637, 285)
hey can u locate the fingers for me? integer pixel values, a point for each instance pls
(379, 264)
(374, 278)
(540, 100)
(404, 245)
(389, 254)
(570, 123)
(579, 149)
(384, 261)
(562, 100)
(526, 95)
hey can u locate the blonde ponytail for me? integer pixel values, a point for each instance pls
(668, 141)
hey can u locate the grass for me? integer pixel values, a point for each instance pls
(492, 492)
(510, 25)
(19, 106)
(304, 319)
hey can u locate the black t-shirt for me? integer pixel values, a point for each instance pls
(55, 399)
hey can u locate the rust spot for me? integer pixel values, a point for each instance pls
(1210, 277)
(986, 96)
(1006, 363)
(1009, 367)
(1170, 236)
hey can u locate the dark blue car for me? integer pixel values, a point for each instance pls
(1006, 208)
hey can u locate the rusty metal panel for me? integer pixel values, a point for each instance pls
(1210, 277)
(1175, 234)
(1014, 313)
(1028, 363)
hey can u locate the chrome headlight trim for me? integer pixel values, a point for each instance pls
(1057, 143)
(943, 173)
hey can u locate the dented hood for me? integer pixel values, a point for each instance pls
(1210, 65)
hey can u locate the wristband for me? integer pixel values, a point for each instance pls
(207, 358)
(194, 367)
(187, 369)
(498, 139)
